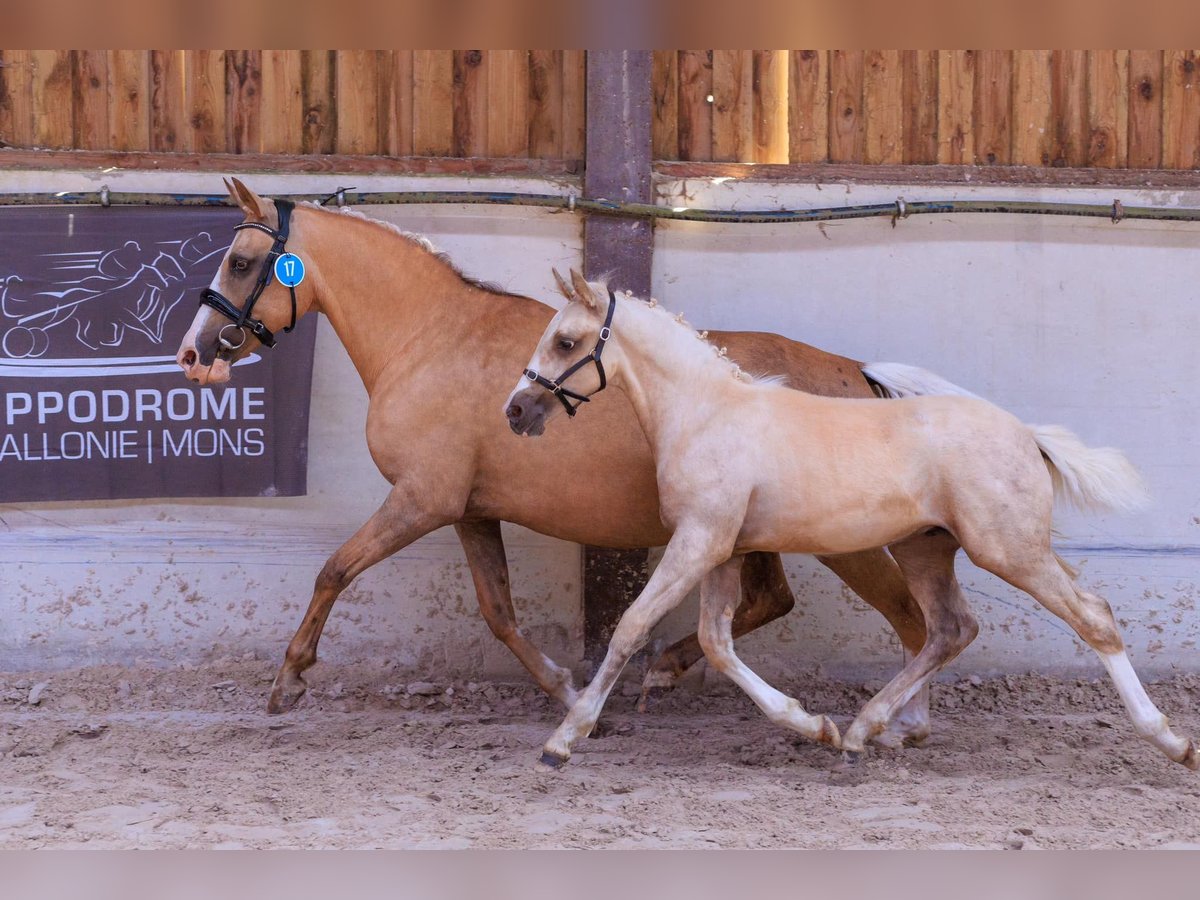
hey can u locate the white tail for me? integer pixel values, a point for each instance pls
(1089, 478)
(896, 380)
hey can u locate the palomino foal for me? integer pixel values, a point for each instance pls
(923, 476)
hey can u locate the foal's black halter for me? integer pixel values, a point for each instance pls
(241, 318)
(556, 388)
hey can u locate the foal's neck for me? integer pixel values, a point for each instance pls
(381, 289)
(667, 370)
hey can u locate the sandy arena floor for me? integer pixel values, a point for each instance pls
(187, 758)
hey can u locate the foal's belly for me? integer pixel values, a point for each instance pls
(812, 526)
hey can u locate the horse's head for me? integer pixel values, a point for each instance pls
(568, 366)
(225, 329)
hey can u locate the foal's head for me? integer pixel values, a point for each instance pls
(217, 339)
(569, 364)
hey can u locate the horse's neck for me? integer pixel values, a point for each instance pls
(668, 373)
(380, 290)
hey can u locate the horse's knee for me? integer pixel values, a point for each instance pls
(334, 577)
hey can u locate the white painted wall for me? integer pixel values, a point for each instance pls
(1078, 322)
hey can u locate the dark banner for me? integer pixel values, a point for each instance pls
(93, 304)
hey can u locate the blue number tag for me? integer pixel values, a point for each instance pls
(289, 269)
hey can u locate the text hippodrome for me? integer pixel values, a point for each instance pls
(141, 405)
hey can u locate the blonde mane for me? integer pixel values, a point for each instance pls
(722, 353)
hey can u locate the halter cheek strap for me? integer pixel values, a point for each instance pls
(556, 388)
(240, 319)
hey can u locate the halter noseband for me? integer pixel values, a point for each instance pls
(241, 318)
(556, 388)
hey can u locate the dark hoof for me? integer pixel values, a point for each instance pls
(285, 696)
(650, 697)
(552, 760)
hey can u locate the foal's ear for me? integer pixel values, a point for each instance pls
(252, 205)
(583, 290)
(563, 288)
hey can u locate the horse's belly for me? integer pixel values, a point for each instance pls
(830, 529)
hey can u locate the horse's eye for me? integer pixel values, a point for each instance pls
(238, 264)
(564, 344)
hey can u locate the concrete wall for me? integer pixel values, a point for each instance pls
(1076, 322)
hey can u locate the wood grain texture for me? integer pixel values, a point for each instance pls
(665, 105)
(396, 102)
(847, 134)
(1145, 109)
(90, 99)
(243, 94)
(920, 105)
(16, 98)
(282, 102)
(695, 109)
(506, 102)
(1068, 92)
(574, 104)
(433, 102)
(319, 124)
(993, 107)
(470, 111)
(883, 106)
(52, 99)
(732, 106)
(545, 104)
(956, 106)
(808, 106)
(770, 106)
(1181, 109)
(1108, 108)
(168, 111)
(356, 93)
(206, 100)
(1033, 124)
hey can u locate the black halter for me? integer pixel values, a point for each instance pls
(556, 388)
(241, 318)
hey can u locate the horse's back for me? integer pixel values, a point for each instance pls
(805, 367)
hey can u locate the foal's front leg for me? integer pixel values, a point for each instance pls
(718, 598)
(689, 555)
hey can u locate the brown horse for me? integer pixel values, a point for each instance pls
(436, 352)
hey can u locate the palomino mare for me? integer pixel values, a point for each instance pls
(436, 353)
(924, 476)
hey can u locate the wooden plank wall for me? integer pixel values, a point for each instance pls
(1136, 109)
(493, 103)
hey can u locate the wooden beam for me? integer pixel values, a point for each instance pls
(620, 111)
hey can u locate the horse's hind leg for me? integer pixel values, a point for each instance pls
(394, 525)
(765, 597)
(927, 561)
(718, 596)
(1043, 578)
(484, 547)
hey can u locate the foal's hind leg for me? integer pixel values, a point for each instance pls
(394, 525)
(485, 555)
(927, 561)
(765, 597)
(1044, 579)
(718, 596)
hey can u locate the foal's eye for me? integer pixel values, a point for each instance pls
(565, 344)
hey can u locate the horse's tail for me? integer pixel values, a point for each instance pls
(896, 380)
(1089, 478)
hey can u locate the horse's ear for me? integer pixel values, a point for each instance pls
(252, 205)
(563, 288)
(232, 193)
(583, 290)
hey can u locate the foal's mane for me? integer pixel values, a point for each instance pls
(421, 242)
(656, 309)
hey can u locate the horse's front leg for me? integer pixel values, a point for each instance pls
(398, 522)
(692, 552)
(484, 546)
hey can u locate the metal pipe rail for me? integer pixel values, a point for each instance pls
(900, 209)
